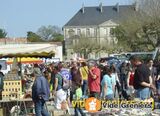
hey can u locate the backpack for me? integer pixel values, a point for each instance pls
(66, 77)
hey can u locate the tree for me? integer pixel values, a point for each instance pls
(33, 37)
(58, 38)
(127, 36)
(3, 33)
(141, 33)
(50, 33)
(151, 7)
(84, 46)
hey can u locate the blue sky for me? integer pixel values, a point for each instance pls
(19, 16)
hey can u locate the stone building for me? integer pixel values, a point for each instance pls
(96, 23)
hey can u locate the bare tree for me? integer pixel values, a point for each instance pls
(141, 32)
(48, 32)
(86, 46)
(151, 7)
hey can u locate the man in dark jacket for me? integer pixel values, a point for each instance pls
(1, 82)
(40, 93)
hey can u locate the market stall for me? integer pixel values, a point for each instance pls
(33, 51)
(27, 50)
(12, 80)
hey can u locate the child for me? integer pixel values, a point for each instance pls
(78, 96)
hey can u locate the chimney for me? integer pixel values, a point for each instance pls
(117, 7)
(83, 8)
(136, 6)
(101, 7)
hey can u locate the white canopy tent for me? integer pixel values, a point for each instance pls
(28, 50)
(43, 50)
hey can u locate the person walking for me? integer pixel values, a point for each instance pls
(123, 75)
(84, 73)
(153, 73)
(94, 80)
(58, 92)
(115, 81)
(142, 79)
(40, 92)
(1, 82)
(107, 86)
(76, 79)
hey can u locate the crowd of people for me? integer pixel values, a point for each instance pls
(66, 82)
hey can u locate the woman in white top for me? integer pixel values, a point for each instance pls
(115, 80)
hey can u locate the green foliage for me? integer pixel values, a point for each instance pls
(139, 36)
(32, 37)
(58, 38)
(46, 33)
(3, 33)
(142, 32)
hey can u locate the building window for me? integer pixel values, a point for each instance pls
(79, 32)
(95, 32)
(6, 89)
(6, 83)
(18, 83)
(112, 32)
(107, 31)
(71, 32)
(88, 32)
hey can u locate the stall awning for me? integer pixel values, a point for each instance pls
(27, 50)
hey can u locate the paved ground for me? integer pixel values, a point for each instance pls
(53, 110)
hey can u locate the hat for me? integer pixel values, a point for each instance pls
(37, 72)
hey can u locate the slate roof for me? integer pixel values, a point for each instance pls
(93, 16)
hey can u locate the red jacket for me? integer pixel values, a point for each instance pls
(94, 84)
